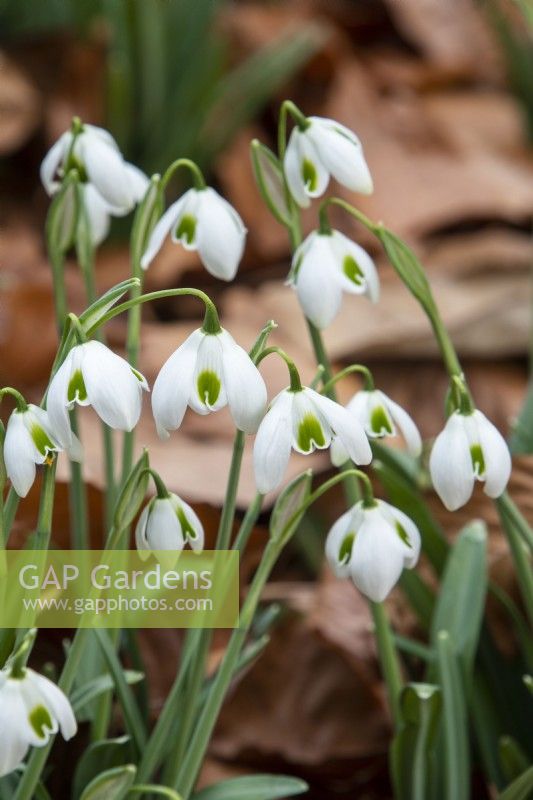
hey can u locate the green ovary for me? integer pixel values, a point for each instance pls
(41, 440)
(208, 385)
(310, 434)
(76, 388)
(187, 228)
(41, 721)
(309, 175)
(352, 271)
(345, 550)
(478, 460)
(380, 423)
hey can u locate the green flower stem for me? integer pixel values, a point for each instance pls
(186, 163)
(359, 368)
(78, 498)
(46, 507)
(247, 525)
(507, 505)
(388, 659)
(521, 557)
(294, 375)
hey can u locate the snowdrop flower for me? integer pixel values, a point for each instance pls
(202, 220)
(30, 440)
(208, 372)
(92, 375)
(372, 545)
(324, 148)
(303, 420)
(168, 523)
(32, 709)
(115, 185)
(380, 417)
(469, 448)
(324, 266)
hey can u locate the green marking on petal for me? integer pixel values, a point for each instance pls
(309, 175)
(310, 433)
(41, 721)
(380, 422)
(186, 527)
(209, 387)
(352, 271)
(478, 460)
(402, 533)
(187, 228)
(41, 440)
(345, 550)
(76, 388)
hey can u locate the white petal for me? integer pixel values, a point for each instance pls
(57, 398)
(450, 464)
(20, 455)
(345, 248)
(57, 703)
(338, 453)
(173, 385)
(163, 531)
(272, 446)
(138, 181)
(141, 542)
(411, 550)
(298, 255)
(347, 428)
(33, 698)
(496, 455)
(208, 364)
(310, 428)
(405, 425)
(197, 541)
(106, 169)
(291, 167)
(341, 153)
(14, 744)
(302, 157)
(244, 385)
(319, 292)
(112, 389)
(337, 533)
(377, 556)
(97, 214)
(160, 232)
(52, 162)
(220, 236)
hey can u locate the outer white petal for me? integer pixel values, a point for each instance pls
(450, 464)
(52, 161)
(244, 385)
(209, 359)
(112, 388)
(196, 543)
(161, 231)
(298, 255)
(343, 246)
(163, 531)
(97, 213)
(334, 539)
(341, 153)
(412, 550)
(141, 542)
(220, 236)
(338, 453)
(496, 454)
(56, 702)
(19, 454)
(318, 289)
(14, 743)
(57, 399)
(405, 425)
(106, 169)
(138, 181)
(272, 446)
(377, 556)
(173, 385)
(347, 428)
(302, 150)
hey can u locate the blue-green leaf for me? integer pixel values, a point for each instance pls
(254, 787)
(455, 719)
(113, 784)
(521, 788)
(100, 757)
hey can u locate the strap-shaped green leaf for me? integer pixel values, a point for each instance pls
(521, 788)
(113, 784)
(100, 757)
(253, 787)
(455, 718)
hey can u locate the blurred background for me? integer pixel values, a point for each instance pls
(441, 94)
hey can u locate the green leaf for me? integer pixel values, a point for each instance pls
(113, 784)
(512, 758)
(284, 518)
(100, 757)
(83, 695)
(455, 719)
(521, 442)
(133, 494)
(412, 753)
(152, 788)
(253, 787)
(91, 316)
(521, 788)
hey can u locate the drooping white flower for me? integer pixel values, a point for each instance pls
(30, 440)
(324, 148)
(372, 546)
(323, 267)
(381, 417)
(207, 372)
(92, 375)
(32, 709)
(168, 523)
(202, 220)
(94, 152)
(469, 448)
(303, 420)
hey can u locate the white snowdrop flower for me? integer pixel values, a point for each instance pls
(372, 545)
(381, 417)
(92, 375)
(324, 266)
(303, 420)
(32, 709)
(202, 220)
(30, 440)
(207, 372)
(168, 523)
(325, 148)
(469, 448)
(115, 185)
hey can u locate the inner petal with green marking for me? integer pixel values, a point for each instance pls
(208, 385)
(310, 433)
(41, 440)
(402, 533)
(380, 422)
(345, 550)
(187, 228)
(186, 527)
(309, 175)
(76, 388)
(478, 460)
(352, 271)
(41, 721)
